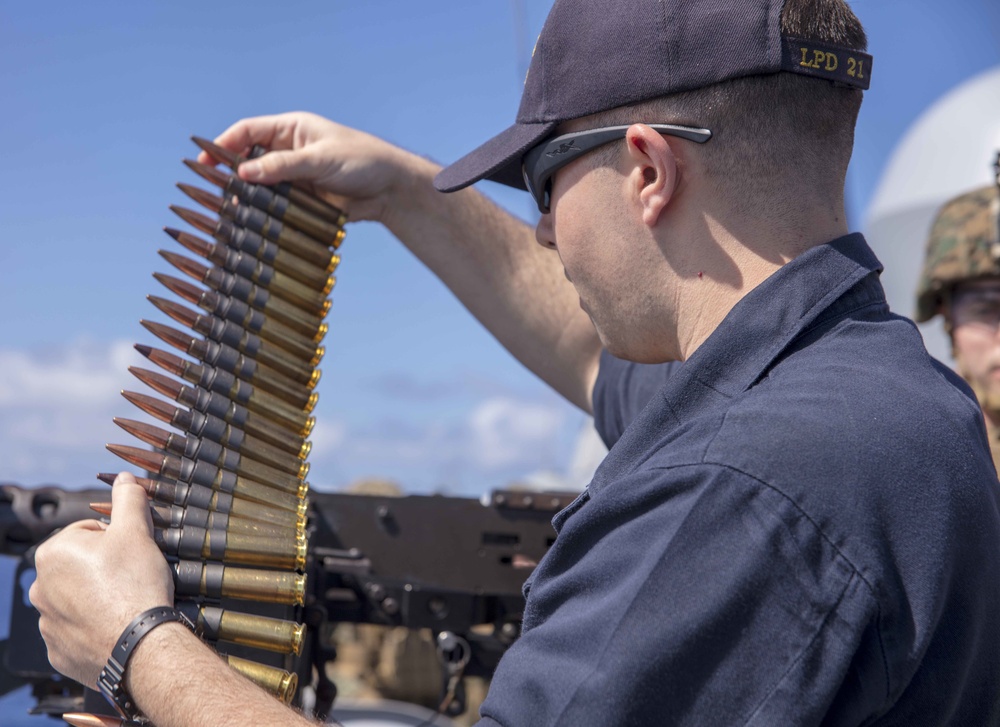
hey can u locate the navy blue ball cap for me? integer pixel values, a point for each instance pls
(596, 55)
(499, 159)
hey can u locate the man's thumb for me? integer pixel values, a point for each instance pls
(130, 505)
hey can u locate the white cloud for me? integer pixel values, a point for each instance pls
(56, 407)
(492, 442)
(327, 435)
(57, 404)
(82, 373)
(504, 431)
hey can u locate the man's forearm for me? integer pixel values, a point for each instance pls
(177, 681)
(512, 285)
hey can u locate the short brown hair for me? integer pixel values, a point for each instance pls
(763, 126)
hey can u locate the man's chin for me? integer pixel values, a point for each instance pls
(990, 401)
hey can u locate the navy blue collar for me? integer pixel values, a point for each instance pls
(822, 284)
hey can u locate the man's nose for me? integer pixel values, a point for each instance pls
(544, 233)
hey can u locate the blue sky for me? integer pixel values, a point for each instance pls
(100, 100)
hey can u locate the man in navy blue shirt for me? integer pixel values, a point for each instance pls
(797, 523)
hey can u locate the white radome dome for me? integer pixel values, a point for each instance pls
(948, 150)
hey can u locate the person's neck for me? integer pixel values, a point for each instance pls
(734, 257)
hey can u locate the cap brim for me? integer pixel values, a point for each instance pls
(498, 160)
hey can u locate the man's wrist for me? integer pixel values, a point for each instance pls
(152, 653)
(112, 680)
(412, 194)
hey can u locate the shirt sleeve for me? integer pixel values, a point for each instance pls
(700, 597)
(621, 391)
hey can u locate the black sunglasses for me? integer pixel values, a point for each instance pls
(543, 160)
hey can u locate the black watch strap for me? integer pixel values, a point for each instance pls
(112, 679)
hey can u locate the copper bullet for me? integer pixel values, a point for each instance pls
(235, 390)
(231, 238)
(202, 473)
(175, 516)
(225, 405)
(199, 448)
(199, 424)
(293, 357)
(241, 312)
(229, 359)
(251, 272)
(84, 719)
(288, 303)
(198, 497)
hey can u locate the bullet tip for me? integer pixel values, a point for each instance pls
(82, 719)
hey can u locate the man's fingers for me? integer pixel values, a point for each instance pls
(130, 505)
(273, 132)
(91, 525)
(280, 166)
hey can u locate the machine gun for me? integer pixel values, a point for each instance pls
(451, 564)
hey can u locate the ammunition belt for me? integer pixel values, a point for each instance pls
(227, 480)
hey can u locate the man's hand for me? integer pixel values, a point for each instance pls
(93, 579)
(357, 172)
(489, 260)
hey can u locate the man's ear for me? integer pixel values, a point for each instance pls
(655, 171)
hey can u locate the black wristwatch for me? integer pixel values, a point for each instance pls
(112, 679)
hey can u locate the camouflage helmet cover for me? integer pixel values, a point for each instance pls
(964, 244)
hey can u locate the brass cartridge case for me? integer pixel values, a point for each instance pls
(282, 684)
(242, 366)
(220, 393)
(284, 210)
(232, 549)
(193, 578)
(262, 512)
(271, 228)
(228, 308)
(260, 270)
(242, 288)
(202, 473)
(307, 322)
(286, 457)
(229, 333)
(175, 516)
(305, 246)
(228, 237)
(310, 299)
(276, 414)
(199, 497)
(234, 453)
(259, 632)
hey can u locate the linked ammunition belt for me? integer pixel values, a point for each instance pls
(227, 482)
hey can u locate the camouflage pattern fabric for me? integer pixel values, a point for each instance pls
(963, 245)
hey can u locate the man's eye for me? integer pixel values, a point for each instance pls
(982, 311)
